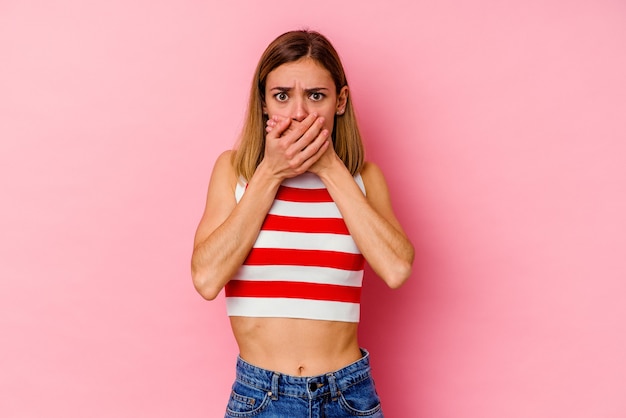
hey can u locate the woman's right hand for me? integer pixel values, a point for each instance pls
(292, 147)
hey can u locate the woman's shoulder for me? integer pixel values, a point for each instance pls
(225, 162)
(224, 170)
(373, 179)
(226, 157)
(371, 172)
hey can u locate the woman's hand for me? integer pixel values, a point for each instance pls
(326, 160)
(292, 147)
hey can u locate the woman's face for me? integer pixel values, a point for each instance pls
(296, 89)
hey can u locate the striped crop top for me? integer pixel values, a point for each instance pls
(304, 263)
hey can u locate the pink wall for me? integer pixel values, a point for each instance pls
(501, 131)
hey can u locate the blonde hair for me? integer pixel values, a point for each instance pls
(290, 47)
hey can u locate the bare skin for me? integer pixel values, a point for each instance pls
(301, 104)
(297, 347)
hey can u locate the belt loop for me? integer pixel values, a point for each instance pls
(334, 390)
(274, 390)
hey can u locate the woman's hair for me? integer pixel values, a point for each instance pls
(290, 47)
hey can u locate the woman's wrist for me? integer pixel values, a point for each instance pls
(330, 168)
(265, 177)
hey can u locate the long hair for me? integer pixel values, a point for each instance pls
(289, 47)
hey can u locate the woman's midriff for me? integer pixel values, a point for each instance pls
(297, 347)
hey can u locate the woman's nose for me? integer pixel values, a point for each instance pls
(299, 111)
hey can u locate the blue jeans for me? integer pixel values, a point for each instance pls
(261, 393)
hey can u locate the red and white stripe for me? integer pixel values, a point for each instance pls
(304, 263)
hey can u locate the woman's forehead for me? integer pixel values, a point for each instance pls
(305, 71)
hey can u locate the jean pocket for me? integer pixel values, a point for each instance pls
(246, 401)
(361, 399)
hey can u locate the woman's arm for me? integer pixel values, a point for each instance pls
(227, 230)
(370, 219)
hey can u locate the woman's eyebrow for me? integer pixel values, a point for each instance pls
(288, 89)
(281, 88)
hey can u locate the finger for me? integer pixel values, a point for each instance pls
(313, 148)
(270, 124)
(281, 126)
(300, 128)
(316, 155)
(311, 134)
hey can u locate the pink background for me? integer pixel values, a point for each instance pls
(500, 126)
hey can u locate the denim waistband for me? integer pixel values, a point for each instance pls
(279, 384)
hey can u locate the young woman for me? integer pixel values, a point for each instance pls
(291, 216)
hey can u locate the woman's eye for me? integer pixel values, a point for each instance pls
(317, 96)
(281, 97)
